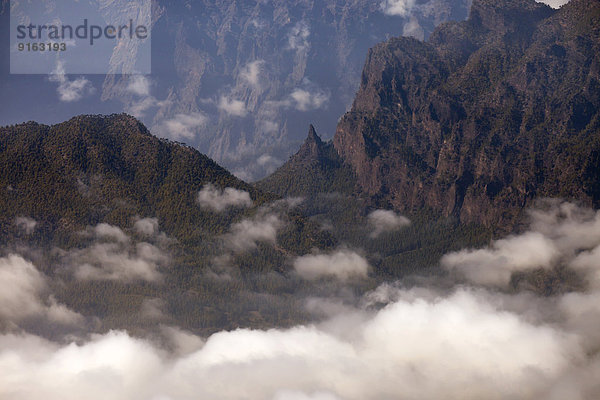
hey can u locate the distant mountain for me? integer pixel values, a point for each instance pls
(110, 169)
(260, 69)
(483, 118)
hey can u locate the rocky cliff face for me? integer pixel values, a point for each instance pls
(483, 118)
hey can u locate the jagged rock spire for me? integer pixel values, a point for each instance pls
(312, 136)
(312, 145)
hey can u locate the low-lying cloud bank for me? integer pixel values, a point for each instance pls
(459, 347)
(476, 340)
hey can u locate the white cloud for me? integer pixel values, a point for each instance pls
(298, 395)
(112, 261)
(139, 107)
(234, 107)
(139, 85)
(298, 37)
(559, 232)
(386, 221)
(267, 159)
(342, 264)
(305, 100)
(495, 265)
(211, 197)
(251, 72)
(257, 23)
(397, 7)
(26, 224)
(414, 344)
(554, 3)
(413, 29)
(69, 91)
(243, 174)
(417, 344)
(24, 294)
(113, 256)
(245, 235)
(269, 126)
(104, 230)
(182, 342)
(269, 163)
(183, 126)
(562, 235)
(21, 286)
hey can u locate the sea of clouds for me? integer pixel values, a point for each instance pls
(469, 334)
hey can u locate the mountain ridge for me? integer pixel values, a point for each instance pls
(479, 122)
(95, 168)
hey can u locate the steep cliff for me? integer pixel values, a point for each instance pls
(483, 118)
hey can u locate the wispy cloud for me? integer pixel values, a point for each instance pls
(397, 7)
(306, 100)
(146, 226)
(213, 198)
(495, 265)
(182, 126)
(427, 342)
(114, 256)
(26, 224)
(342, 264)
(140, 87)
(233, 107)
(70, 90)
(269, 163)
(269, 126)
(557, 235)
(298, 37)
(414, 29)
(245, 235)
(251, 73)
(386, 221)
(457, 347)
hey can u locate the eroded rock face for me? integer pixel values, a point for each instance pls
(261, 70)
(486, 116)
